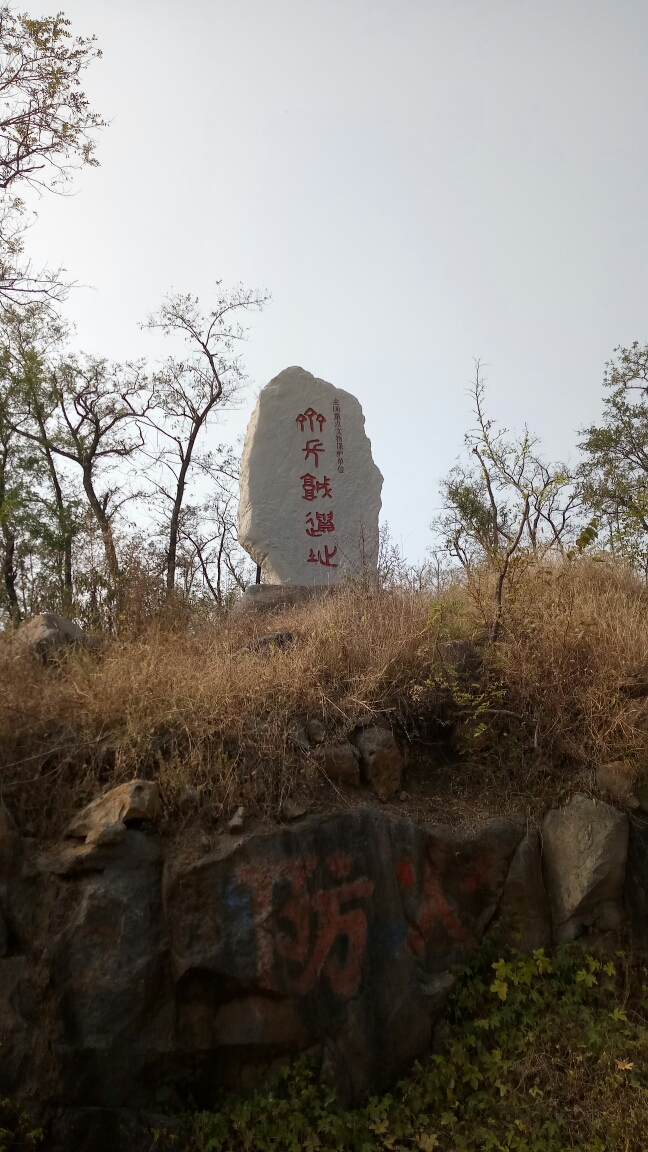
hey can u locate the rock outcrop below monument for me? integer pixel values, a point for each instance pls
(126, 980)
(131, 984)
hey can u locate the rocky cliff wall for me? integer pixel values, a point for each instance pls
(131, 984)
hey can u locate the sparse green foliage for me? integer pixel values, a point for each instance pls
(47, 130)
(79, 443)
(71, 420)
(28, 336)
(188, 390)
(614, 474)
(586, 537)
(505, 503)
(47, 124)
(20, 469)
(17, 1133)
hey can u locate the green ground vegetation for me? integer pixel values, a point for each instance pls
(539, 1054)
(17, 1132)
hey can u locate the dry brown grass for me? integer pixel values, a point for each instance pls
(195, 707)
(575, 645)
(191, 706)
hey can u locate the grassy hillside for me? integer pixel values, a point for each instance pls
(187, 703)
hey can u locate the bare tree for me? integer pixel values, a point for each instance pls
(208, 532)
(433, 574)
(46, 131)
(507, 502)
(187, 391)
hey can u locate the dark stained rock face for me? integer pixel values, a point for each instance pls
(636, 881)
(523, 916)
(334, 937)
(86, 1011)
(328, 934)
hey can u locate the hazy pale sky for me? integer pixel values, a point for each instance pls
(417, 182)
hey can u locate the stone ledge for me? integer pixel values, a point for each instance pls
(266, 597)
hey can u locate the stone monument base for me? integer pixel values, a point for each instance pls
(266, 597)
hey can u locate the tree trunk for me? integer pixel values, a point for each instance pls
(173, 535)
(61, 516)
(497, 622)
(104, 525)
(177, 506)
(9, 573)
(67, 574)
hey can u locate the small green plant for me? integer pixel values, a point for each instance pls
(540, 1055)
(17, 1133)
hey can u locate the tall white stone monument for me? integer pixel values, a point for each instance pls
(310, 491)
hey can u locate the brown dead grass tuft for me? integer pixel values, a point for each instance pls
(192, 706)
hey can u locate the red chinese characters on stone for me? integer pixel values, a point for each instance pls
(434, 909)
(313, 448)
(337, 420)
(312, 487)
(313, 923)
(325, 559)
(324, 524)
(344, 976)
(310, 415)
(261, 881)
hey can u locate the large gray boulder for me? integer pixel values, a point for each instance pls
(84, 1006)
(381, 761)
(126, 804)
(585, 846)
(47, 634)
(523, 917)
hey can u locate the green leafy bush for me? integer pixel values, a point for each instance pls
(540, 1055)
